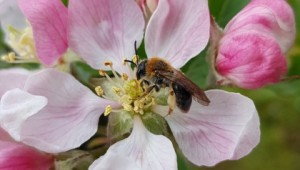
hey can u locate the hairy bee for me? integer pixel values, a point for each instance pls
(162, 74)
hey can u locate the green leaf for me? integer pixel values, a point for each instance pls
(224, 10)
(83, 72)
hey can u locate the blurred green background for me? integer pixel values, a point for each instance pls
(278, 105)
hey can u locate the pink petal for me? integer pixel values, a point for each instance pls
(226, 129)
(102, 30)
(70, 117)
(15, 156)
(4, 136)
(48, 19)
(147, 150)
(273, 18)
(12, 78)
(178, 30)
(16, 107)
(249, 59)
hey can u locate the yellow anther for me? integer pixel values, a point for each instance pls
(117, 90)
(102, 72)
(135, 59)
(108, 110)
(124, 77)
(124, 62)
(108, 63)
(99, 91)
(127, 107)
(10, 57)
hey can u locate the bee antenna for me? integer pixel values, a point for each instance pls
(130, 61)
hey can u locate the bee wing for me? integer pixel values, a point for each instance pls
(179, 78)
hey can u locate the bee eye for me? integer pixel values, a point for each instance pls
(141, 70)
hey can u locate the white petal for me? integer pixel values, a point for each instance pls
(178, 30)
(121, 162)
(147, 150)
(12, 78)
(16, 107)
(69, 119)
(11, 15)
(226, 129)
(102, 30)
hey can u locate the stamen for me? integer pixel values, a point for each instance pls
(108, 110)
(99, 91)
(117, 90)
(108, 63)
(135, 59)
(10, 57)
(124, 77)
(102, 72)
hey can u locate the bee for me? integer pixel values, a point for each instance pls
(161, 74)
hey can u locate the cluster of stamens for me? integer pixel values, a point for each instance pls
(130, 93)
(21, 41)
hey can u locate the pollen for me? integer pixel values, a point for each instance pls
(99, 91)
(108, 110)
(108, 63)
(117, 90)
(10, 57)
(124, 77)
(102, 72)
(135, 59)
(128, 92)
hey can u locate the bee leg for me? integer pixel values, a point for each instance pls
(171, 101)
(149, 90)
(143, 83)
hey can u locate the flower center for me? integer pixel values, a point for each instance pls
(128, 92)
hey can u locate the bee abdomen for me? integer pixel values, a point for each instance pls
(183, 98)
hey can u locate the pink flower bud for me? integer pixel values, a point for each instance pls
(249, 59)
(250, 53)
(274, 18)
(148, 7)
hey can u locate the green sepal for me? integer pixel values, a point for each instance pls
(119, 124)
(155, 123)
(75, 159)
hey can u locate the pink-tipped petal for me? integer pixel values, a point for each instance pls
(178, 30)
(210, 134)
(274, 18)
(70, 117)
(121, 162)
(147, 150)
(11, 15)
(15, 156)
(16, 107)
(102, 30)
(12, 78)
(48, 19)
(249, 59)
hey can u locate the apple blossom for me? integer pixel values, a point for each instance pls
(61, 113)
(250, 53)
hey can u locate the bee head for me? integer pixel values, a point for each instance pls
(141, 69)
